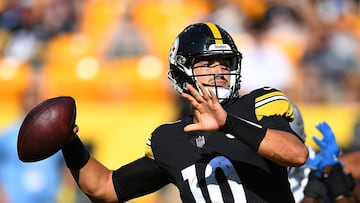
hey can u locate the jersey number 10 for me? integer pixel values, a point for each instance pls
(213, 187)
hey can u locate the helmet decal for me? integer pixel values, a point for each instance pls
(214, 47)
(173, 51)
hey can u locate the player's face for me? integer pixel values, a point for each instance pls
(214, 72)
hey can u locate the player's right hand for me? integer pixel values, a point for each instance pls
(208, 113)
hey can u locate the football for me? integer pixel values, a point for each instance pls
(45, 128)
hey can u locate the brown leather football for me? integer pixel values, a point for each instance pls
(46, 128)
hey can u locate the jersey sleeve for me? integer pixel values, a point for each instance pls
(273, 109)
(272, 102)
(140, 177)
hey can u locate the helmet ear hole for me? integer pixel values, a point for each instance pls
(179, 79)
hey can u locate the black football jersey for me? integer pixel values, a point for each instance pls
(213, 166)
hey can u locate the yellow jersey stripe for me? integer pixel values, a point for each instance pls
(216, 33)
(271, 104)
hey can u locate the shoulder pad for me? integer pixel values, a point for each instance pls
(272, 102)
(164, 127)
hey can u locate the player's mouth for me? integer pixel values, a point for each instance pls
(218, 82)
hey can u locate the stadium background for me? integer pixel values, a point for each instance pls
(120, 101)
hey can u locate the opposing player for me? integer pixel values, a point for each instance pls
(308, 183)
(228, 149)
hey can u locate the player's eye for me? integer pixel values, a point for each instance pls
(225, 63)
(224, 66)
(205, 65)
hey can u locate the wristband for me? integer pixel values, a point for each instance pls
(75, 154)
(249, 132)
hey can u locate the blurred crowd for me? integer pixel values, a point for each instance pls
(27, 26)
(310, 49)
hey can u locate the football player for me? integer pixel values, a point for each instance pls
(307, 187)
(229, 148)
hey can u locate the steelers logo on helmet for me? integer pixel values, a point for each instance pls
(173, 51)
(204, 41)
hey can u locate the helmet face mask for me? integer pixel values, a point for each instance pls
(204, 42)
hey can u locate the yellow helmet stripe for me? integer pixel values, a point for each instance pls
(216, 33)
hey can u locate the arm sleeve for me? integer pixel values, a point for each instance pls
(138, 178)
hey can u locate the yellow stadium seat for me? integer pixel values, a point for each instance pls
(66, 49)
(14, 77)
(135, 78)
(68, 80)
(126, 79)
(163, 20)
(98, 16)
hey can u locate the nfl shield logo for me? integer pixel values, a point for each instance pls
(200, 141)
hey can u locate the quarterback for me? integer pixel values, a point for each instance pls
(229, 148)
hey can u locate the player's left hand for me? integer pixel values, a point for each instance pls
(209, 115)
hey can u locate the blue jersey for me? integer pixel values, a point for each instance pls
(36, 182)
